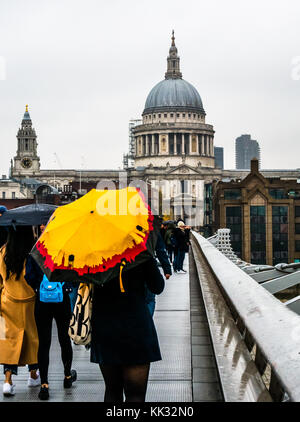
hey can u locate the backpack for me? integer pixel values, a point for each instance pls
(51, 291)
(174, 242)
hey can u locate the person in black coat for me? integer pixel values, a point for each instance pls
(124, 339)
(162, 256)
(182, 238)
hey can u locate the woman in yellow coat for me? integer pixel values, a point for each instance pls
(18, 332)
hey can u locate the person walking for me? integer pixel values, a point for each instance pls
(45, 313)
(18, 333)
(170, 240)
(124, 340)
(182, 245)
(162, 256)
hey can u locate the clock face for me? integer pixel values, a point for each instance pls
(26, 163)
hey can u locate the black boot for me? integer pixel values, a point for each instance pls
(69, 381)
(44, 393)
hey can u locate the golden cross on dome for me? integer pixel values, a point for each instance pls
(26, 108)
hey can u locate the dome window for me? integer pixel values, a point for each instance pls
(183, 114)
(165, 115)
(178, 115)
(171, 115)
(159, 116)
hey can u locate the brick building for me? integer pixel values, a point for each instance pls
(263, 214)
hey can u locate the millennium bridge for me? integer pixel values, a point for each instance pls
(224, 335)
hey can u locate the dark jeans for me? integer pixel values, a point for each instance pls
(170, 250)
(14, 368)
(44, 315)
(178, 260)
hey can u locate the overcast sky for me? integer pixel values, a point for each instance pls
(86, 67)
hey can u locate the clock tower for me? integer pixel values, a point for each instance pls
(26, 162)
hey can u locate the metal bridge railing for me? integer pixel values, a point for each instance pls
(267, 328)
(275, 279)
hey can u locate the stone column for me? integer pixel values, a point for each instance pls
(175, 143)
(202, 144)
(152, 144)
(147, 145)
(167, 144)
(190, 143)
(182, 144)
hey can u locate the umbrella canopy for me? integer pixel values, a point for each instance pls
(28, 215)
(91, 238)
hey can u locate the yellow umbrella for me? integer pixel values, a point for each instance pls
(98, 231)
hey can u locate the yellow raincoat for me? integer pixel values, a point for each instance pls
(18, 332)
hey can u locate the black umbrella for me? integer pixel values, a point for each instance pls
(168, 222)
(28, 215)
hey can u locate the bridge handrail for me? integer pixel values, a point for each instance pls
(274, 328)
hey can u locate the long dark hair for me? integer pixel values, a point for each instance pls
(19, 243)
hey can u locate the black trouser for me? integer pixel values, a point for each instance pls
(44, 314)
(14, 368)
(170, 250)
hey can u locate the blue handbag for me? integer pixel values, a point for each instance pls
(51, 291)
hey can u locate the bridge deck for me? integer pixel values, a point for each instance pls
(186, 373)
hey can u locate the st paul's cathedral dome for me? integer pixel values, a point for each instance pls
(173, 128)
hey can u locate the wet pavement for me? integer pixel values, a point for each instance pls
(170, 380)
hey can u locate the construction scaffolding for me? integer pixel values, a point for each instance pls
(128, 159)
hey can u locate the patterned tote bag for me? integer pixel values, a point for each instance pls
(80, 324)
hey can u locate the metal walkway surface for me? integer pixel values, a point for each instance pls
(169, 380)
(186, 372)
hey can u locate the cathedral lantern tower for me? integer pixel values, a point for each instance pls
(26, 162)
(173, 130)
